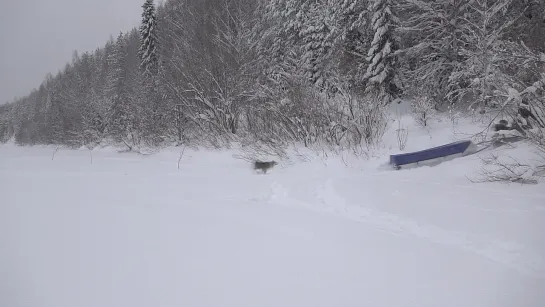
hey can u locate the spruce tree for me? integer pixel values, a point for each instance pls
(381, 56)
(148, 44)
(117, 89)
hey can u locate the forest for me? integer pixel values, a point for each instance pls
(279, 72)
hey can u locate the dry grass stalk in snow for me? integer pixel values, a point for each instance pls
(181, 156)
(402, 137)
(402, 134)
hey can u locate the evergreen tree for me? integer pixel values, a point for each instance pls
(5, 122)
(317, 44)
(119, 112)
(381, 56)
(148, 44)
(353, 41)
(432, 31)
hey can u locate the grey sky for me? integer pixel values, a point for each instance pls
(39, 36)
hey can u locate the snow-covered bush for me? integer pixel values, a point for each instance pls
(422, 110)
(362, 119)
(303, 114)
(295, 114)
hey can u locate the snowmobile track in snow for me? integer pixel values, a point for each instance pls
(327, 200)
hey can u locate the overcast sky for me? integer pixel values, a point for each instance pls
(39, 36)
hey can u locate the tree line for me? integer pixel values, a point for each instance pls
(284, 71)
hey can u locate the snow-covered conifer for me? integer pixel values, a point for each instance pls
(381, 55)
(148, 45)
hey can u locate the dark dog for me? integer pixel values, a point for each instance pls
(502, 125)
(264, 166)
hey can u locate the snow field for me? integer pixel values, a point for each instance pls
(132, 230)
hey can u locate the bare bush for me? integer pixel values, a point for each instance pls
(496, 170)
(537, 137)
(422, 110)
(300, 114)
(402, 133)
(297, 114)
(536, 106)
(540, 171)
(363, 119)
(260, 151)
(402, 137)
(526, 109)
(373, 122)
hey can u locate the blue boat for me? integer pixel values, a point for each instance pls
(433, 156)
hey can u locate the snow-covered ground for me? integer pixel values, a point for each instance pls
(132, 230)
